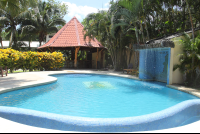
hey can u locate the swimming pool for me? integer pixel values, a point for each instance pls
(99, 103)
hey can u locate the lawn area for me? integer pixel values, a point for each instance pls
(19, 71)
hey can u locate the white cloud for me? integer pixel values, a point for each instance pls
(80, 11)
(107, 4)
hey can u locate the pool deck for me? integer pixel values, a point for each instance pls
(28, 79)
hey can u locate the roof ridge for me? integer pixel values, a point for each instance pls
(61, 30)
(78, 21)
(83, 27)
(77, 34)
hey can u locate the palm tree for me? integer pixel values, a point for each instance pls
(11, 22)
(129, 13)
(133, 13)
(12, 13)
(16, 5)
(99, 25)
(41, 22)
(191, 48)
(26, 35)
(193, 37)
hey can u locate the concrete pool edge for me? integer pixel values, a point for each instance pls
(155, 121)
(185, 89)
(49, 80)
(64, 72)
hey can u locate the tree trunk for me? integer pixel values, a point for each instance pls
(136, 33)
(11, 38)
(183, 26)
(164, 27)
(154, 27)
(40, 43)
(1, 42)
(145, 22)
(170, 20)
(142, 33)
(146, 29)
(130, 55)
(110, 49)
(41, 37)
(193, 38)
(29, 45)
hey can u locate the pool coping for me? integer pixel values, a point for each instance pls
(49, 79)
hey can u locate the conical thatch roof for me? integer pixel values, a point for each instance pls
(71, 35)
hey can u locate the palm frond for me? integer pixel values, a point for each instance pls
(23, 15)
(114, 26)
(57, 22)
(52, 29)
(4, 20)
(28, 28)
(4, 13)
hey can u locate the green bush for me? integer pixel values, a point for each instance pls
(14, 59)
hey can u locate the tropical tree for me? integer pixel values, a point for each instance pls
(191, 48)
(193, 36)
(127, 16)
(60, 8)
(99, 25)
(15, 6)
(26, 35)
(41, 22)
(12, 14)
(141, 21)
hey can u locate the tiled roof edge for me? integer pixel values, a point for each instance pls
(57, 35)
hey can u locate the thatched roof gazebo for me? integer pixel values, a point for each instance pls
(71, 37)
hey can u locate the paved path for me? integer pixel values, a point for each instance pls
(18, 80)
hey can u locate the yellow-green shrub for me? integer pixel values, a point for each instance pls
(14, 59)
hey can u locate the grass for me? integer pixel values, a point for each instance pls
(20, 71)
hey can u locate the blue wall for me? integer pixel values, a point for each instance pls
(154, 64)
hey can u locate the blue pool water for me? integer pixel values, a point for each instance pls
(96, 96)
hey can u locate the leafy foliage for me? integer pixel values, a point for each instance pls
(14, 59)
(133, 22)
(35, 18)
(191, 48)
(43, 21)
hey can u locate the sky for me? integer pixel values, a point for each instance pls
(81, 8)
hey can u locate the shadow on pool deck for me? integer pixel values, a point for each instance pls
(7, 82)
(17, 80)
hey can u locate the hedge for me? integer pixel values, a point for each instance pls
(14, 59)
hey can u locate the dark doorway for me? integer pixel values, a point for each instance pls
(89, 56)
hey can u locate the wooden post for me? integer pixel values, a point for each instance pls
(102, 55)
(49, 49)
(97, 57)
(75, 59)
(86, 53)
